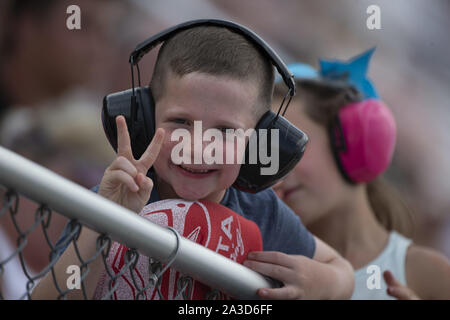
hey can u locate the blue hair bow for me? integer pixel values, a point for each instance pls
(353, 71)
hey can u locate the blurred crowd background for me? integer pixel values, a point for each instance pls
(52, 82)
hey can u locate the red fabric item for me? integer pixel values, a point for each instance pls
(207, 223)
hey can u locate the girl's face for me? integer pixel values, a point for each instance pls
(314, 187)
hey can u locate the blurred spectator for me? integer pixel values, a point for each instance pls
(47, 109)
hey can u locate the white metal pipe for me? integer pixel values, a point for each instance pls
(127, 227)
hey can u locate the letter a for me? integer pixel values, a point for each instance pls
(226, 227)
(181, 153)
(374, 280)
(374, 20)
(73, 282)
(74, 20)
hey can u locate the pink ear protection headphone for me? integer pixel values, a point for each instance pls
(364, 133)
(363, 139)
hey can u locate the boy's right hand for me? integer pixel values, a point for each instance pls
(125, 181)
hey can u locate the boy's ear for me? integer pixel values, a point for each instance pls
(140, 119)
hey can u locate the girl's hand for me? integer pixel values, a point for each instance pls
(398, 290)
(125, 181)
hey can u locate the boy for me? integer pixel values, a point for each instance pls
(214, 75)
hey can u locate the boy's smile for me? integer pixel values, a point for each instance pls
(219, 102)
(196, 173)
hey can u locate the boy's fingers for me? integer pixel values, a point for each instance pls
(124, 178)
(123, 138)
(122, 163)
(151, 153)
(284, 293)
(277, 272)
(145, 183)
(273, 257)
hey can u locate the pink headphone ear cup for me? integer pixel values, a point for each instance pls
(369, 130)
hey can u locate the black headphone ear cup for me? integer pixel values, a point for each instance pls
(147, 121)
(141, 126)
(290, 149)
(107, 125)
(148, 113)
(249, 178)
(115, 104)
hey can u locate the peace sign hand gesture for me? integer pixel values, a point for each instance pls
(125, 181)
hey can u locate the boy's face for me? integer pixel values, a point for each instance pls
(218, 102)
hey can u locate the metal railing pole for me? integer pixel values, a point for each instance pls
(127, 227)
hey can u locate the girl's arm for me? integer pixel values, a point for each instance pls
(428, 273)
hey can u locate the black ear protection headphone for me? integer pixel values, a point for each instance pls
(138, 108)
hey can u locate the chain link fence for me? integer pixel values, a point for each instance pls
(161, 250)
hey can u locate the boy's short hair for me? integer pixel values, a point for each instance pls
(216, 51)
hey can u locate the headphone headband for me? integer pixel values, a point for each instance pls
(147, 45)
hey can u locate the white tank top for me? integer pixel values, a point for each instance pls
(369, 281)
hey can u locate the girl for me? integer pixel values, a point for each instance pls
(337, 190)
